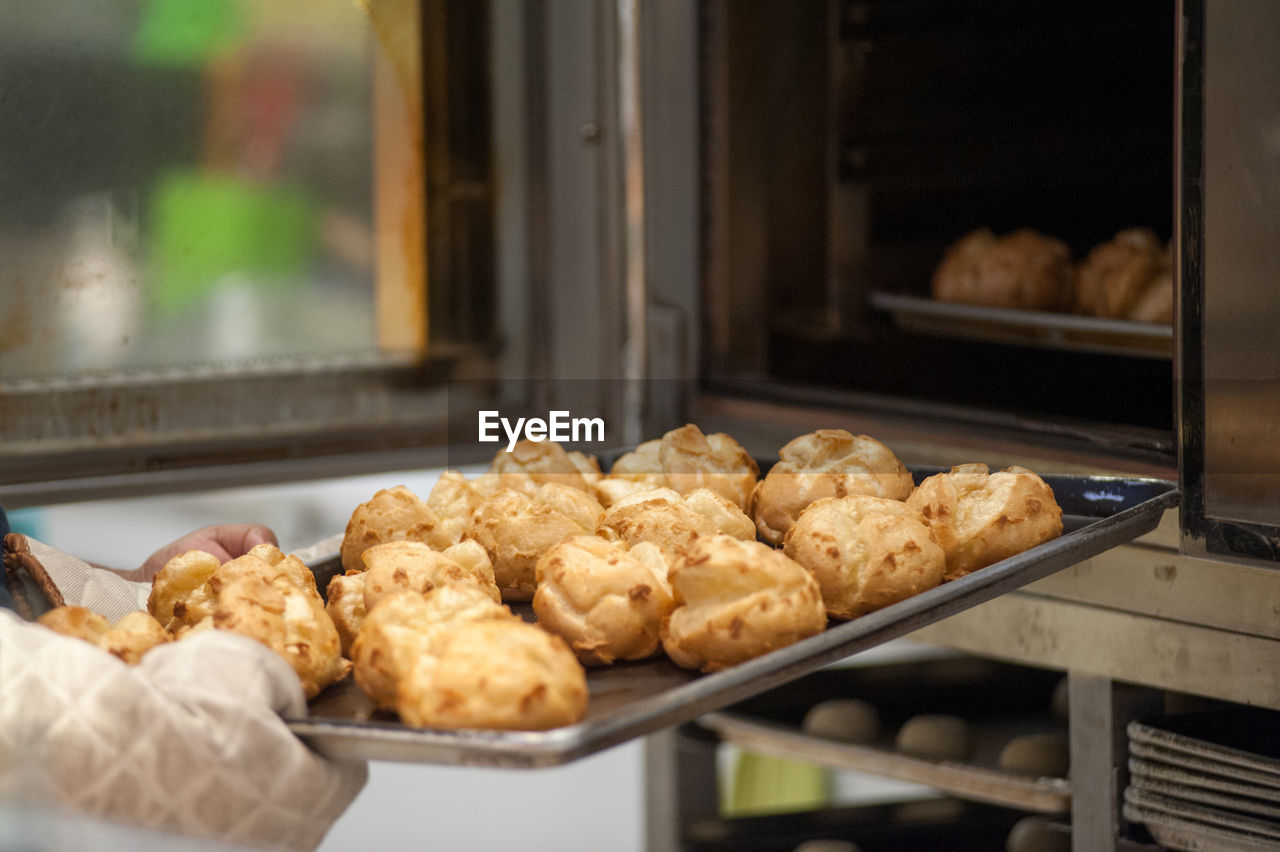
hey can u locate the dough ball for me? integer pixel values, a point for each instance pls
(1025, 270)
(264, 595)
(685, 460)
(180, 595)
(825, 845)
(736, 600)
(414, 566)
(980, 518)
(132, 636)
(1037, 834)
(500, 674)
(674, 521)
(825, 463)
(344, 601)
(846, 720)
(1115, 275)
(454, 499)
(515, 530)
(865, 552)
(605, 599)
(936, 737)
(1156, 302)
(288, 619)
(393, 514)
(531, 465)
(400, 628)
(1041, 755)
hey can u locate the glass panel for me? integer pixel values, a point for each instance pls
(185, 182)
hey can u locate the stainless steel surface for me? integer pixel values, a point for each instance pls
(1241, 259)
(1098, 710)
(981, 783)
(1004, 325)
(634, 699)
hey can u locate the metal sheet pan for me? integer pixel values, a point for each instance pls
(633, 699)
(1036, 328)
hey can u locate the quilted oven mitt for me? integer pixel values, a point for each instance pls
(191, 740)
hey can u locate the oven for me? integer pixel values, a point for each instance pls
(725, 212)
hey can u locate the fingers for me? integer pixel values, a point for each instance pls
(224, 541)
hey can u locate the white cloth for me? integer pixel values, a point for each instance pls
(190, 741)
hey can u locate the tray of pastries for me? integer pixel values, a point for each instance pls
(552, 606)
(1024, 287)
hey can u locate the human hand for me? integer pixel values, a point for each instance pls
(225, 541)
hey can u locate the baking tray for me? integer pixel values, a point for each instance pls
(629, 700)
(1179, 832)
(1144, 772)
(1243, 738)
(1040, 328)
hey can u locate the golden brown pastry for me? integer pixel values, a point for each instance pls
(684, 459)
(515, 530)
(672, 520)
(531, 465)
(1116, 275)
(412, 565)
(264, 595)
(400, 628)
(605, 599)
(454, 498)
(736, 600)
(500, 674)
(344, 601)
(1024, 269)
(1156, 302)
(392, 514)
(865, 552)
(980, 517)
(131, 637)
(824, 463)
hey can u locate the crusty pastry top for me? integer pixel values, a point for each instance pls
(685, 459)
(263, 594)
(454, 498)
(1024, 269)
(393, 514)
(531, 465)
(980, 518)
(495, 674)
(824, 463)
(1116, 275)
(515, 529)
(673, 520)
(400, 629)
(865, 552)
(736, 600)
(605, 599)
(415, 566)
(132, 636)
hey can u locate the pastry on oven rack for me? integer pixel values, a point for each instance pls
(516, 529)
(264, 595)
(128, 639)
(392, 514)
(684, 459)
(414, 566)
(980, 517)
(530, 465)
(1117, 276)
(400, 629)
(673, 520)
(605, 599)
(496, 674)
(865, 552)
(1024, 269)
(736, 600)
(824, 463)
